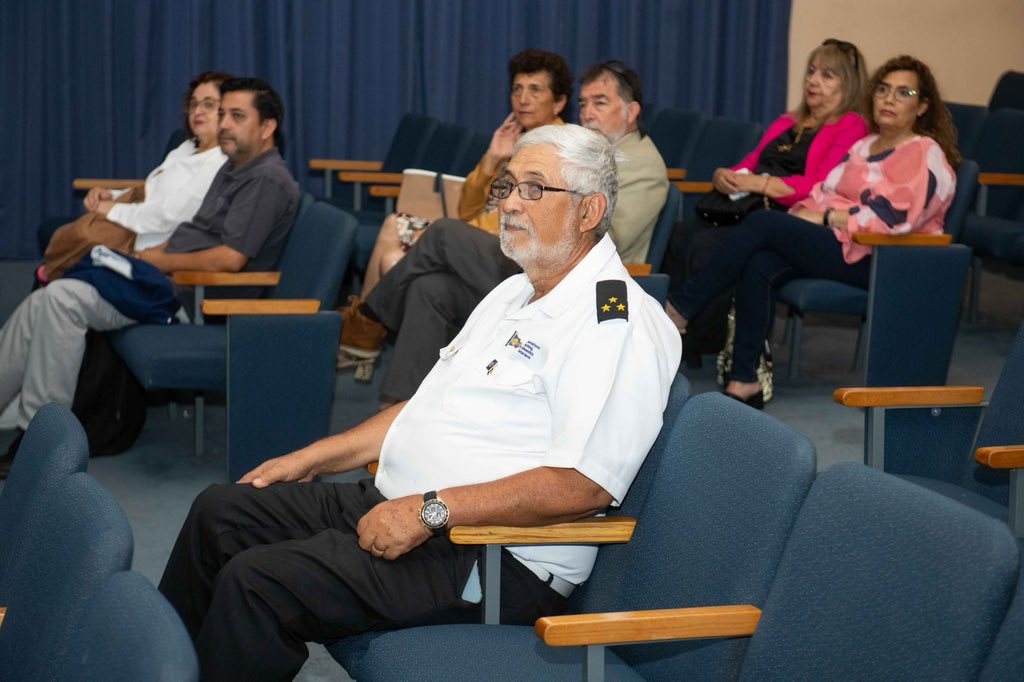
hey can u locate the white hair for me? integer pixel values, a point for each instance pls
(589, 162)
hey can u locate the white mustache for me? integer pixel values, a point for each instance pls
(507, 220)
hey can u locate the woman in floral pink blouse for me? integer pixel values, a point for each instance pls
(897, 180)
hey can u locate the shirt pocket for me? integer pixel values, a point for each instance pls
(509, 396)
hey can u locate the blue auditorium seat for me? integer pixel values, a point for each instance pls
(968, 120)
(675, 132)
(54, 447)
(129, 633)
(998, 217)
(931, 435)
(901, 310)
(711, 529)
(404, 151)
(878, 579)
(80, 536)
(278, 370)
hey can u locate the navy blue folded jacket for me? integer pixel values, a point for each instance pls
(136, 288)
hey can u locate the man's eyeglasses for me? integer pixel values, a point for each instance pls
(848, 48)
(530, 191)
(208, 104)
(900, 94)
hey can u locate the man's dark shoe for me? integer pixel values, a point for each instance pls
(7, 461)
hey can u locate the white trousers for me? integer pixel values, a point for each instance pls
(42, 344)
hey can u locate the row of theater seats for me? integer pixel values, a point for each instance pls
(770, 570)
(274, 357)
(322, 243)
(70, 608)
(686, 140)
(746, 564)
(693, 145)
(994, 137)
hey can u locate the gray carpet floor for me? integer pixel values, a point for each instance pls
(156, 480)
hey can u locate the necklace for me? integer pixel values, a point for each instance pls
(800, 128)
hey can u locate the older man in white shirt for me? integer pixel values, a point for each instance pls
(541, 410)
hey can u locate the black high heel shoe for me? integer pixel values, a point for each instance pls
(756, 401)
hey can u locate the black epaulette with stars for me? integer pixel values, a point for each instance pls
(611, 300)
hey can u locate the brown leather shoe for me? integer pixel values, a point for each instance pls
(361, 337)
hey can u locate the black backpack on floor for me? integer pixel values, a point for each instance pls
(109, 401)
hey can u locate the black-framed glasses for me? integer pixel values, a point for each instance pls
(900, 93)
(530, 191)
(848, 48)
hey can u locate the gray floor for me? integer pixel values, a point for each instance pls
(157, 479)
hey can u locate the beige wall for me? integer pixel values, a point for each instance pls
(967, 43)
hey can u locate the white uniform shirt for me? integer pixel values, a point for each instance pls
(174, 191)
(540, 384)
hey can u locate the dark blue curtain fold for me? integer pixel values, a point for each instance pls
(93, 88)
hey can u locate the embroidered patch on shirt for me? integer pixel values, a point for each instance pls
(524, 348)
(528, 349)
(611, 300)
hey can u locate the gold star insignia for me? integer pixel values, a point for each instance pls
(620, 307)
(606, 308)
(613, 299)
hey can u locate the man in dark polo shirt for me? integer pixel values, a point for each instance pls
(244, 220)
(242, 224)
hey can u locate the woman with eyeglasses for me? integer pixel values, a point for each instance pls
(136, 219)
(897, 180)
(797, 150)
(540, 85)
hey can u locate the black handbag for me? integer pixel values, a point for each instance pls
(786, 155)
(721, 211)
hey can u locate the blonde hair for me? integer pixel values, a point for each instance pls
(846, 61)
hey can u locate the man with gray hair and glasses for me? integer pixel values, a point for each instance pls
(541, 410)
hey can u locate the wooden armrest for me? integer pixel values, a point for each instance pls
(261, 306)
(694, 187)
(638, 269)
(585, 531)
(648, 626)
(1001, 179)
(376, 178)
(345, 165)
(106, 183)
(194, 278)
(916, 396)
(3, 612)
(875, 239)
(1001, 457)
(676, 173)
(385, 190)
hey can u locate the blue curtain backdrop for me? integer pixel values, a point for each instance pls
(93, 88)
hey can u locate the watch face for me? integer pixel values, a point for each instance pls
(434, 514)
